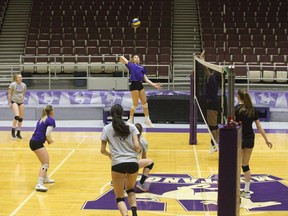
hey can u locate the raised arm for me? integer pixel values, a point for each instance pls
(206, 70)
(123, 60)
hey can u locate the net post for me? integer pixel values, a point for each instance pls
(230, 141)
(193, 114)
(229, 173)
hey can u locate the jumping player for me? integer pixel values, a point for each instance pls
(137, 76)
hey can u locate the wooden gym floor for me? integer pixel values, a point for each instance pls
(183, 180)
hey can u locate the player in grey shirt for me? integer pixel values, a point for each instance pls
(124, 147)
(16, 94)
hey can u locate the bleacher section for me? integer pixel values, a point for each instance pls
(3, 6)
(255, 38)
(97, 32)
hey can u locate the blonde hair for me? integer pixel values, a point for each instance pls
(132, 59)
(14, 77)
(46, 112)
(247, 107)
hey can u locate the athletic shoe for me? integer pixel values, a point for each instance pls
(245, 194)
(18, 135)
(148, 123)
(213, 149)
(141, 187)
(13, 136)
(41, 188)
(47, 180)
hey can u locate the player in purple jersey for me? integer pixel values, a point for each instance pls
(246, 113)
(42, 134)
(137, 76)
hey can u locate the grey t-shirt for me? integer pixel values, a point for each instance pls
(17, 92)
(143, 144)
(121, 149)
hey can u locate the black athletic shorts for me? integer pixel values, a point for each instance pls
(34, 145)
(128, 167)
(136, 86)
(16, 103)
(248, 142)
(212, 105)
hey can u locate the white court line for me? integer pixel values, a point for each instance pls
(32, 193)
(199, 175)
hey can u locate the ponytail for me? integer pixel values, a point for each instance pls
(120, 128)
(46, 112)
(247, 107)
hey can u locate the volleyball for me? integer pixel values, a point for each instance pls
(135, 23)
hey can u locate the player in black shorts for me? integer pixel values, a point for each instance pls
(246, 114)
(138, 75)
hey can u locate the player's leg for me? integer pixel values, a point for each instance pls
(147, 164)
(246, 155)
(130, 183)
(135, 99)
(143, 99)
(118, 180)
(43, 157)
(15, 111)
(212, 117)
(21, 115)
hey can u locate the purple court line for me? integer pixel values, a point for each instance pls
(163, 130)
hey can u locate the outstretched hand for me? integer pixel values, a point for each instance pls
(158, 85)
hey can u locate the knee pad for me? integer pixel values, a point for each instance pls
(45, 167)
(133, 107)
(130, 191)
(145, 105)
(119, 200)
(150, 166)
(20, 120)
(16, 118)
(212, 128)
(245, 168)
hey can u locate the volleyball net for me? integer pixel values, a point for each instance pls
(209, 98)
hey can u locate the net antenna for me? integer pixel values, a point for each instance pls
(199, 92)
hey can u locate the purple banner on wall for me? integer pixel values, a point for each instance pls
(49, 97)
(266, 98)
(80, 97)
(26, 98)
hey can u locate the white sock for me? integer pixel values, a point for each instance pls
(40, 180)
(247, 186)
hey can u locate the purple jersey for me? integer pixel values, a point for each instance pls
(136, 72)
(39, 134)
